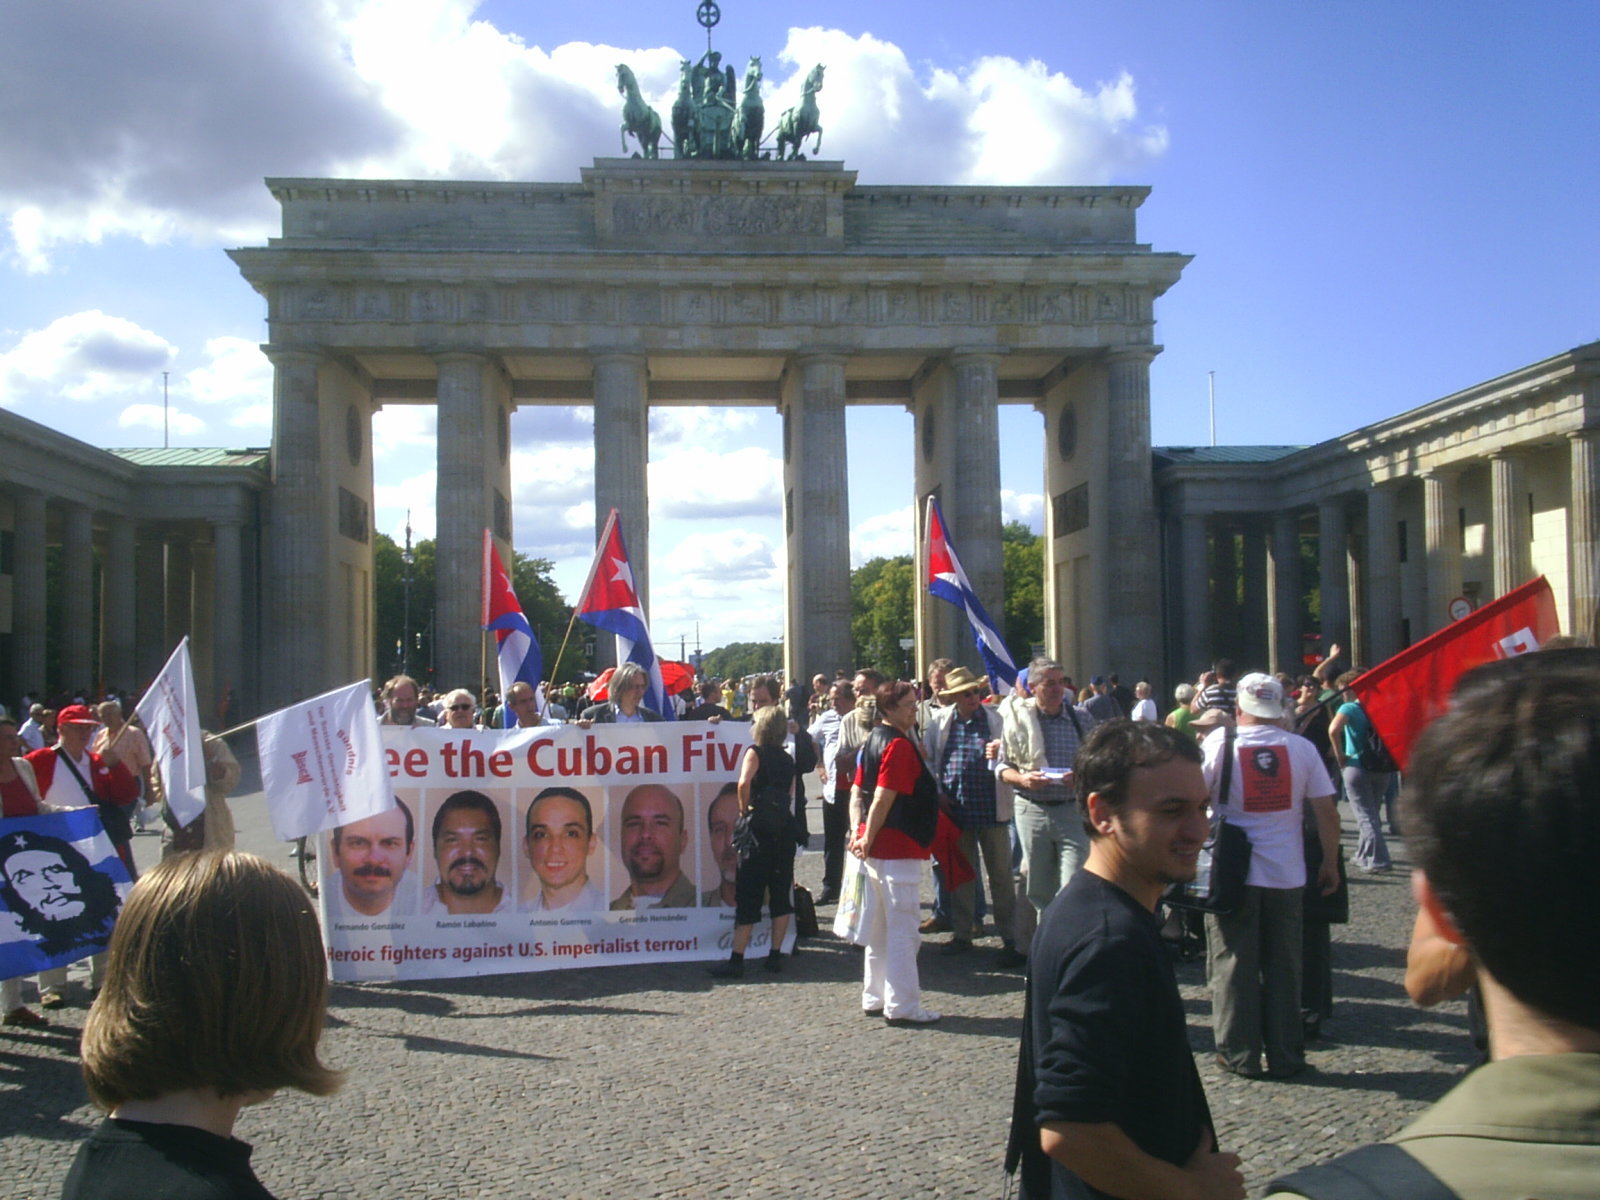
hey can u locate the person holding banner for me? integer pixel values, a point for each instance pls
(766, 781)
(894, 833)
(19, 797)
(626, 688)
(172, 1056)
(70, 775)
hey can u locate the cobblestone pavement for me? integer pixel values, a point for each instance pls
(653, 1082)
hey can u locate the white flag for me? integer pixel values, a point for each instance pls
(171, 718)
(322, 762)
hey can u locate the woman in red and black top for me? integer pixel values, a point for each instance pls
(901, 801)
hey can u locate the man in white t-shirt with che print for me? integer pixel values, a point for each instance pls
(1254, 951)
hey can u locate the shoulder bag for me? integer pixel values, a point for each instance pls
(1218, 885)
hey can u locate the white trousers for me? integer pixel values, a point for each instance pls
(892, 913)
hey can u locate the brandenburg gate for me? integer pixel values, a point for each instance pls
(677, 282)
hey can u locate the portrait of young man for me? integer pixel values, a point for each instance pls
(559, 841)
(466, 850)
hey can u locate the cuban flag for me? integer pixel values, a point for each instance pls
(610, 601)
(61, 887)
(516, 647)
(948, 581)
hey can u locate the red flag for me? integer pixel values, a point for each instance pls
(1402, 695)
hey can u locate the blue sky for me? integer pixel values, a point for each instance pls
(1386, 203)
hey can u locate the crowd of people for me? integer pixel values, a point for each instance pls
(1070, 817)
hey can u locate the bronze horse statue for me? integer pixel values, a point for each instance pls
(800, 122)
(749, 120)
(683, 113)
(638, 118)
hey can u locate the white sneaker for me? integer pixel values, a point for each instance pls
(917, 1016)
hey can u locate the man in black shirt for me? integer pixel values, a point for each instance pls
(1108, 1100)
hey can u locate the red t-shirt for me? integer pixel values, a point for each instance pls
(898, 771)
(16, 800)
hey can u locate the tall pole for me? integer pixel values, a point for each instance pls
(405, 620)
(166, 441)
(1212, 377)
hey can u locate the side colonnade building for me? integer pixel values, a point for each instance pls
(1409, 522)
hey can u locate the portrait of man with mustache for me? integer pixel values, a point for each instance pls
(466, 849)
(372, 857)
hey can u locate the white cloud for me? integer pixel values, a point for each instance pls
(725, 557)
(698, 425)
(158, 419)
(194, 102)
(417, 496)
(236, 376)
(888, 535)
(545, 520)
(703, 482)
(543, 425)
(1027, 507)
(85, 356)
(398, 429)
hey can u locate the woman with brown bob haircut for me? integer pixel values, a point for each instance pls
(214, 999)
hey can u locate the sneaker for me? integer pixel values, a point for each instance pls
(955, 946)
(52, 999)
(936, 924)
(917, 1016)
(24, 1018)
(733, 968)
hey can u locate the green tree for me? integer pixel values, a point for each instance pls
(738, 659)
(1023, 623)
(542, 602)
(882, 612)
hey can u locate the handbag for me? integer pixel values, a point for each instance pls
(805, 913)
(849, 918)
(1218, 884)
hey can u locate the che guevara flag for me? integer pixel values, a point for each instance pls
(610, 601)
(1409, 690)
(948, 581)
(517, 650)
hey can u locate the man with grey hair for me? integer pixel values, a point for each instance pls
(626, 688)
(459, 708)
(400, 703)
(1037, 747)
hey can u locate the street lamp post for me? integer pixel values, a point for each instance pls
(408, 558)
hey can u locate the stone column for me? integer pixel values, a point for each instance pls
(1287, 647)
(295, 616)
(227, 629)
(29, 609)
(202, 626)
(180, 591)
(1382, 574)
(817, 520)
(465, 444)
(621, 459)
(1442, 538)
(1334, 568)
(1508, 522)
(119, 600)
(1256, 627)
(1584, 524)
(149, 608)
(77, 602)
(1197, 648)
(1133, 616)
(971, 504)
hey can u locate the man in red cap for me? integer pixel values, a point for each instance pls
(70, 775)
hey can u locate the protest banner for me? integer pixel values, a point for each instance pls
(61, 887)
(539, 849)
(322, 762)
(171, 718)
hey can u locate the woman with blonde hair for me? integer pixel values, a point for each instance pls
(766, 859)
(215, 999)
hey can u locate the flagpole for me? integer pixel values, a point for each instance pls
(605, 534)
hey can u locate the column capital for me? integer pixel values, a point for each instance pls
(471, 357)
(283, 356)
(1584, 436)
(960, 355)
(1131, 354)
(822, 356)
(619, 355)
(1447, 471)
